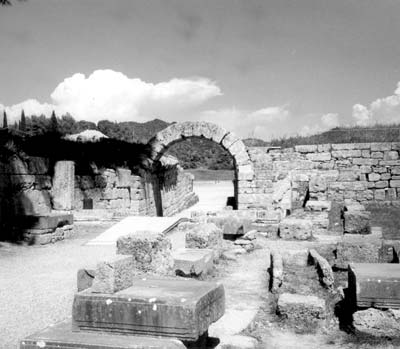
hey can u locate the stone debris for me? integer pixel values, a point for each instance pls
(193, 262)
(303, 312)
(313, 205)
(358, 249)
(276, 271)
(206, 235)
(324, 269)
(356, 219)
(151, 252)
(113, 275)
(378, 323)
(84, 278)
(295, 229)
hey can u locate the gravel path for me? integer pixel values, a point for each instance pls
(37, 283)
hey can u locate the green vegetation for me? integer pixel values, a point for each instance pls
(353, 134)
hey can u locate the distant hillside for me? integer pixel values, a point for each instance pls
(354, 134)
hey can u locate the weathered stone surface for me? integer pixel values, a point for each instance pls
(151, 252)
(206, 235)
(323, 267)
(84, 278)
(358, 248)
(306, 148)
(63, 185)
(192, 261)
(180, 308)
(317, 183)
(237, 342)
(276, 271)
(32, 203)
(231, 224)
(378, 323)
(303, 312)
(61, 336)
(124, 177)
(295, 228)
(113, 275)
(375, 285)
(357, 222)
(318, 205)
(51, 221)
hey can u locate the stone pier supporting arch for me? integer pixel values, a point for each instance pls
(234, 145)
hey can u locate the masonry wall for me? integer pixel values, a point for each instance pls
(135, 194)
(285, 178)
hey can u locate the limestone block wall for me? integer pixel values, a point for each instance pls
(25, 185)
(285, 178)
(143, 193)
(177, 191)
(109, 189)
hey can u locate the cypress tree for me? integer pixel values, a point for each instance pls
(53, 122)
(5, 123)
(22, 124)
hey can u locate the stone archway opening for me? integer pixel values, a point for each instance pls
(243, 168)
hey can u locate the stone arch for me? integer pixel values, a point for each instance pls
(228, 140)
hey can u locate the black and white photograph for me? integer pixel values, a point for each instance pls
(200, 174)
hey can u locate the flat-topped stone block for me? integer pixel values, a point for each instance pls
(231, 225)
(193, 261)
(375, 285)
(151, 251)
(358, 248)
(113, 275)
(61, 336)
(167, 307)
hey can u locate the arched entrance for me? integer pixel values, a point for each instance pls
(180, 131)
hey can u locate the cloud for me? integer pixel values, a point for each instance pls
(106, 94)
(330, 120)
(260, 123)
(384, 110)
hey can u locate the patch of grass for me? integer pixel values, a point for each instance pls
(351, 134)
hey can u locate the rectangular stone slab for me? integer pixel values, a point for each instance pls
(193, 261)
(181, 308)
(60, 336)
(375, 285)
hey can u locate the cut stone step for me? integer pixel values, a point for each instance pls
(193, 261)
(61, 336)
(168, 307)
(375, 284)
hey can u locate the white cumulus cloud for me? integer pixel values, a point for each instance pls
(384, 110)
(106, 94)
(330, 120)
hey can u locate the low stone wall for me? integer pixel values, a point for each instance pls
(285, 178)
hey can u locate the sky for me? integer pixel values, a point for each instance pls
(259, 68)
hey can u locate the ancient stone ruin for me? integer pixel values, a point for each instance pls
(307, 208)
